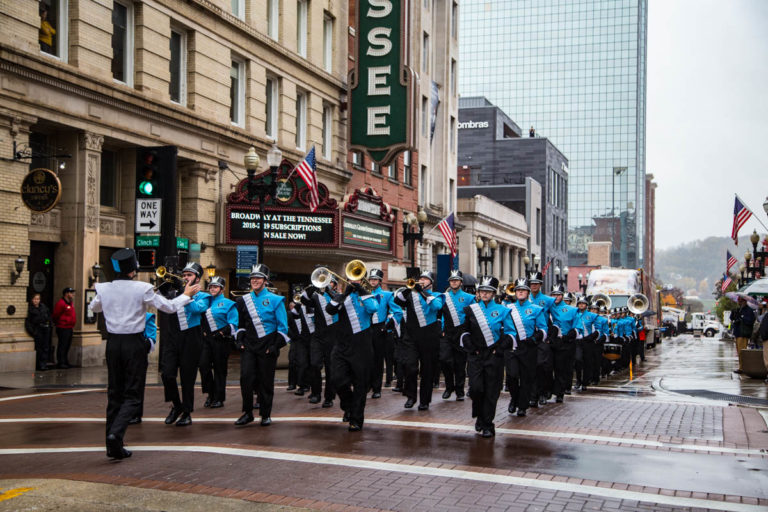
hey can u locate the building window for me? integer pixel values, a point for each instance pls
(392, 171)
(407, 167)
(425, 54)
(452, 135)
(538, 226)
(273, 15)
(357, 159)
(423, 186)
(375, 167)
(108, 180)
(453, 77)
(237, 92)
(54, 28)
(454, 20)
(327, 131)
(301, 119)
(238, 8)
(270, 126)
(424, 117)
(451, 193)
(178, 67)
(122, 42)
(301, 27)
(327, 42)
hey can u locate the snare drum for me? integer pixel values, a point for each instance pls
(612, 351)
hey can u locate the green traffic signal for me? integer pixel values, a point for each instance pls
(146, 188)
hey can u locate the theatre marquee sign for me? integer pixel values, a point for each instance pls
(382, 85)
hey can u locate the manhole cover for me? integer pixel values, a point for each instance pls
(714, 395)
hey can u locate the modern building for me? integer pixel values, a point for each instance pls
(496, 162)
(575, 72)
(210, 78)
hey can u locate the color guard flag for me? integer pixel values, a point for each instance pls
(448, 229)
(726, 282)
(741, 215)
(307, 171)
(730, 261)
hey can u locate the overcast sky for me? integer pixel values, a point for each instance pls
(707, 115)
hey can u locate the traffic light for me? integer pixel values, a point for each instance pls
(147, 259)
(148, 174)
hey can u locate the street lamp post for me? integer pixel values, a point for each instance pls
(262, 188)
(484, 259)
(411, 221)
(583, 283)
(617, 171)
(561, 277)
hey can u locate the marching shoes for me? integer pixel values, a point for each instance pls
(327, 404)
(172, 416)
(216, 404)
(423, 407)
(376, 395)
(115, 448)
(459, 397)
(134, 421)
(185, 420)
(487, 433)
(409, 403)
(314, 399)
(245, 419)
(511, 409)
(446, 394)
(265, 422)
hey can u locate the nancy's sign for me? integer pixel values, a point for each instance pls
(382, 84)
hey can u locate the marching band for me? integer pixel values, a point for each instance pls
(514, 337)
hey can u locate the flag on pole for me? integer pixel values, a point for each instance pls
(741, 215)
(448, 229)
(730, 261)
(726, 282)
(308, 173)
(546, 267)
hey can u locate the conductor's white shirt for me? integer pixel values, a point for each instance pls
(124, 304)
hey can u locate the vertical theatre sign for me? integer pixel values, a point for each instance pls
(383, 86)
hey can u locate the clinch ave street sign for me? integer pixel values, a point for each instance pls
(382, 85)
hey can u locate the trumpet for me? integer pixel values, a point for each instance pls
(637, 304)
(410, 283)
(600, 300)
(355, 271)
(297, 298)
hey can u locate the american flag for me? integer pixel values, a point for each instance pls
(730, 261)
(726, 282)
(307, 171)
(546, 267)
(741, 215)
(448, 229)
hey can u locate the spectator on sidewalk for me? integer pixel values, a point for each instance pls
(742, 321)
(38, 325)
(64, 320)
(762, 334)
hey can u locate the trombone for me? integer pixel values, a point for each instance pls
(355, 271)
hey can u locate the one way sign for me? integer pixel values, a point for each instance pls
(148, 215)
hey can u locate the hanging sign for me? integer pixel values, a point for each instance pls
(382, 85)
(40, 190)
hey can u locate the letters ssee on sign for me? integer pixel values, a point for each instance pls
(383, 86)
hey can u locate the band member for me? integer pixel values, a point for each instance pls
(394, 346)
(262, 331)
(453, 358)
(487, 332)
(182, 344)
(531, 327)
(352, 356)
(562, 337)
(219, 326)
(603, 327)
(150, 336)
(380, 335)
(301, 329)
(322, 341)
(639, 330)
(124, 303)
(421, 339)
(586, 337)
(544, 359)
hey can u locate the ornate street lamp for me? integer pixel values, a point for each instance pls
(485, 259)
(411, 221)
(262, 188)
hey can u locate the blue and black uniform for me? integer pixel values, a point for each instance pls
(180, 352)
(563, 343)
(544, 358)
(382, 339)
(219, 325)
(531, 327)
(487, 332)
(262, 331)
(453, 358)
(586, 347)
(421, 341)
(301, 329)
(603, 328)
(352, 356)
(321, 345)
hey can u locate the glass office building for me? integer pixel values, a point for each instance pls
(575, 70)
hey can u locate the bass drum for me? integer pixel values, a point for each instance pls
(612, 351)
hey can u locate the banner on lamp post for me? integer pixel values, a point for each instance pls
(383, 87)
